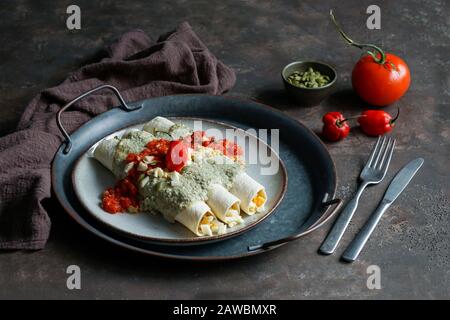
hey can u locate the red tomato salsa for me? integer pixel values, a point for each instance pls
(165, 154)
(123, 197)
(227, 147)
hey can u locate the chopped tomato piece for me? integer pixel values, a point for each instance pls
(125, 202)
(208, 141)
(158, 147)
(110, 201)
(227, 147)
(120, 198)
(198, 138)
(127, 188)
(132, 157)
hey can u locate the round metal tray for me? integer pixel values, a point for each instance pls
(309, 201)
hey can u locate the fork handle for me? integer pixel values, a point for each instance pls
(354, 249)
(341, 223)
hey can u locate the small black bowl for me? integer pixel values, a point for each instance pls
(309, 96)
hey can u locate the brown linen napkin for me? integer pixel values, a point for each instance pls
(177, 63)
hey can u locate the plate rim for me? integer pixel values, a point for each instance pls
(79, 219)
(196, 240)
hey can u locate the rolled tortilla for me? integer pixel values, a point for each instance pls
(105, 150)
(199, 218)
(158, 124)
(166, 129)
(251, 193)
(225, 205)
(109, 150)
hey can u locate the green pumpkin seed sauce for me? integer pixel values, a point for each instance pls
(170, 192)
(131, 142)
(178, 131)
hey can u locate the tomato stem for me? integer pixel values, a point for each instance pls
(380, 60)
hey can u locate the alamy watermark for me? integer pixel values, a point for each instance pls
(374, 20)
(73, 21)
(261, 146)
(73, 281)
(374, 278)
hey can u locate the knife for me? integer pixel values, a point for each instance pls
(398, 184)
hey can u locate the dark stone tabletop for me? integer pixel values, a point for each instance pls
(411, 245)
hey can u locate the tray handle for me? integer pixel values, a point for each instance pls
(123, 104)
(320, 222)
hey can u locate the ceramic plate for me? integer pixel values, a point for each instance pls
(90, 179)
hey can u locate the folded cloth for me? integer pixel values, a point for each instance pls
(177, 63)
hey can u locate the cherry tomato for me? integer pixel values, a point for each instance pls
(177, 156)
(381, 84)
(335, 126)
(376, 122)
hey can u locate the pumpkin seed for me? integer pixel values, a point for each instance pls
(308, 79)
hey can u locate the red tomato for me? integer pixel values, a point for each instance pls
(381, 84)
(177, 156)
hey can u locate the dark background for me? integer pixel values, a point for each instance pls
(257, 38)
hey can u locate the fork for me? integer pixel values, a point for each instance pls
(372, 173)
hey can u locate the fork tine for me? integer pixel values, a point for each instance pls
(374, 152)
(379, 153)
(385, 153)
(388, 159)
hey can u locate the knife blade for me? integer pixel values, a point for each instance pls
(401, 180)
(396, 187)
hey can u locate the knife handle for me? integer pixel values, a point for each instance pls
(355, 247)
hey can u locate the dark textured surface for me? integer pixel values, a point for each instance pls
(411, 245)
